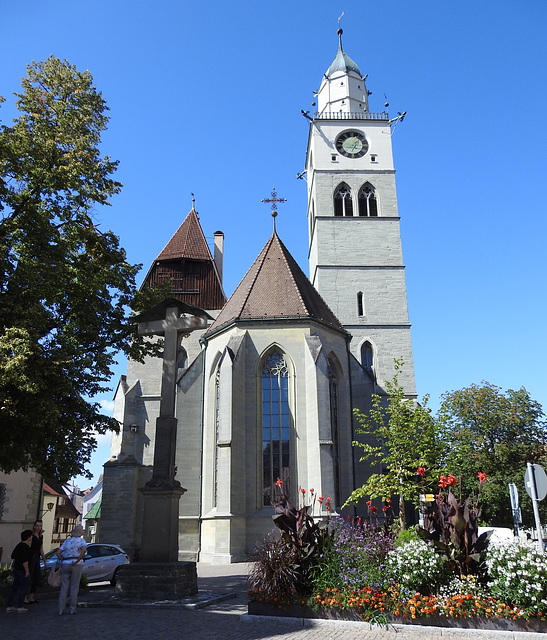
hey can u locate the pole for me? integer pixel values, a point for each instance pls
(533, 491)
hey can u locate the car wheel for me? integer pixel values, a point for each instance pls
(114, 577)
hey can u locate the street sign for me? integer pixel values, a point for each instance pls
(535, 472)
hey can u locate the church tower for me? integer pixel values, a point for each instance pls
(355, 253)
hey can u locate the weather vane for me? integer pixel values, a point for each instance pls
(274, 200)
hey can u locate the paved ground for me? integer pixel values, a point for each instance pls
(99, 616)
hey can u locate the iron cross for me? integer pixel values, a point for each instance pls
(274, 200)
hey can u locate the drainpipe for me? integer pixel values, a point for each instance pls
(203, 343)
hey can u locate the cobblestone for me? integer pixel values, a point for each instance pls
(223, 620)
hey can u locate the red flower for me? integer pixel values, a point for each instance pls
(279, 482)
(320, 498)
(481, 476)
(374, 509)
(385, 508)
(452, 480)
(442, 482)
(312, 490)
(303, 491)
(369, 503)
(421, 471)
(358, 520)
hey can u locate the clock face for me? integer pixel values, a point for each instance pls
(352, 144)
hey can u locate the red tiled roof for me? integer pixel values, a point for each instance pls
(275, 288)
(188, 241)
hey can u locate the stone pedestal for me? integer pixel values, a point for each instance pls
(157, 581)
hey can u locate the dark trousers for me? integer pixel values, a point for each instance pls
(19, 587)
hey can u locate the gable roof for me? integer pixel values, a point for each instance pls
(188, 241)
(275, 288)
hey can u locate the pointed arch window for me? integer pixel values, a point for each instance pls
(368, 206)
(217, 432)
(343, 205)
(275, 425)
(367, 356)
(333, 396)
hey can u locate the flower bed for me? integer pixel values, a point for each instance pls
(358, 570)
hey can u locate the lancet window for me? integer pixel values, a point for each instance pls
(343, 205)
(368, 206)
(275, 425)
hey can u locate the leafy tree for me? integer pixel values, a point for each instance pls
(493, 432)
(65, 284)
(401, 436)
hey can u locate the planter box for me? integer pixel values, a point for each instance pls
(300, 611)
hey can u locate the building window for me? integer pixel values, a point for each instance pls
(367, 201)
(275, 425)
(333, 395)
(217, 432)
(2, 498)
(343, 205)
(360, 306)
(367, 356)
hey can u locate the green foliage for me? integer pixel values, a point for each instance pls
(404, 536)
(400, 435)
(495, 432)
(65, 284)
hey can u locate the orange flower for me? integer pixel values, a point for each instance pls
(481, 476)
(279, 482)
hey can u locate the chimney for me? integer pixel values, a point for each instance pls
(219, 252)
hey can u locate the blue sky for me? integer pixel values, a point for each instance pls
(205, 97)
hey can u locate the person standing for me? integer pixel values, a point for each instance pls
(37, 548)
(21, 557)
(71, 554)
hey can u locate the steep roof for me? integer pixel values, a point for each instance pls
(188, 241)
(275, 288)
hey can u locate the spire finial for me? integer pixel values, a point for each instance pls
(193, 202)
(340, 32)
(274, 200)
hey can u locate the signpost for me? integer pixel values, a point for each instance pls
(535, 481)
(515, 507)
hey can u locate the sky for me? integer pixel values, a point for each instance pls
(206, 98)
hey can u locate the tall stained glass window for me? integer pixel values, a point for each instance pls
(275, 425)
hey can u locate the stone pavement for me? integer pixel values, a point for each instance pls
(218, 613)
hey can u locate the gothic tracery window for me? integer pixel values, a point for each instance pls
(343, 205)
(275, 425)
(368, 205)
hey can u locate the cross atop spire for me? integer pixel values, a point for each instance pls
(274, 200)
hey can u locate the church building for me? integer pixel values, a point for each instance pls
(267, 390)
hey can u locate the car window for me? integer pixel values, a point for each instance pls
(93, 552)
(113, 551)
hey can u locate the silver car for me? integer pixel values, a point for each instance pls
(101, 561)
